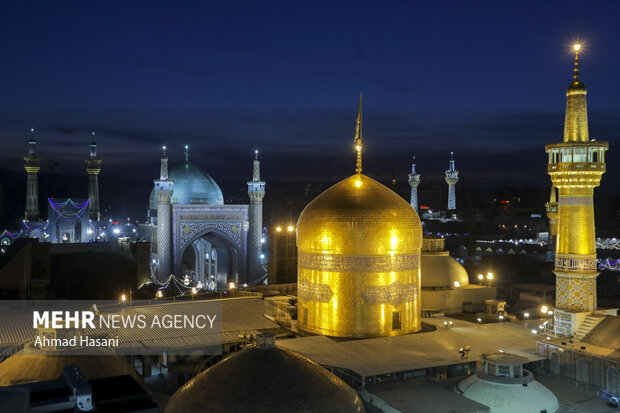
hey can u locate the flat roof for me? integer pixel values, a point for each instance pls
(240, 315)
(385, 355)
(424, 396)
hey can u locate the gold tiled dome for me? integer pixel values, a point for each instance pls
(358, 265)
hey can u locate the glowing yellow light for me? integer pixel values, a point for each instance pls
(480, 277)
(290, 228)
(231, 286)
(358, 148)
(543, 309)
(394, 242)
(123, 298)
(490, 276)
(278, 229)
(576, 47)
(358, 183)
(159, 294)
(194, 290)
(457, 284)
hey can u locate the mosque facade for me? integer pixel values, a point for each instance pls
(195, 234)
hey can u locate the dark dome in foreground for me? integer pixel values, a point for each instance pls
(265, 380)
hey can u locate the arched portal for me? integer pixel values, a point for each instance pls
(212, 259)
(583, 371)
(554, 363)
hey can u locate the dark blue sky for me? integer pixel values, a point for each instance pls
(484, 79)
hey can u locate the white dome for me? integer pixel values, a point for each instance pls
(440, 270)
(509, 398)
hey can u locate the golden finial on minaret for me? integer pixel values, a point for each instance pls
(576, 48)
(358, 138)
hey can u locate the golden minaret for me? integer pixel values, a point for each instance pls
(359, 259)
(576, 167)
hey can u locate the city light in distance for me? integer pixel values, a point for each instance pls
(576, 47)
(231, 286)
(480, 277)
(123, 298)
(544, 309)
(278, 229)
(290, 228)
(490, 276)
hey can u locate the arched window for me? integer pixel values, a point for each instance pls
(554, 363)
(583, 371)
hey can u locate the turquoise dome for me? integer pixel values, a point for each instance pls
(192, 186)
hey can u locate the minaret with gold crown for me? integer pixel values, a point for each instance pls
(93, 167)
(414, 181)
(576, 167)
(32, 164)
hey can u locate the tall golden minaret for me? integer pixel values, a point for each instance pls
(576, 167)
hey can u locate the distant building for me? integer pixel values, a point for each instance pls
(195, 234)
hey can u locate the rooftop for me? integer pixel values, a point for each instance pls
(385, 355)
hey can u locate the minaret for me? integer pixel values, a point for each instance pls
(163, 192)
(256, 192)
(414, 181)
(576, 167)
(552, 214)
(32, 164)
(93, 167)
(452, 177)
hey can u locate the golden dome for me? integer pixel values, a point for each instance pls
(361, 216)
(358, 262)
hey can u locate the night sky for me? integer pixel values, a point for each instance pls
(486, 80)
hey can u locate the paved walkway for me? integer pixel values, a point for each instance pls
(575, 399)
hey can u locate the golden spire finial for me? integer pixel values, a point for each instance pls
(576, 48)
(358, 138)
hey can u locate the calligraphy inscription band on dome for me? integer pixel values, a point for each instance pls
(352, 263)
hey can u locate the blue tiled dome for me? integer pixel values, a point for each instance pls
(191, 186)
